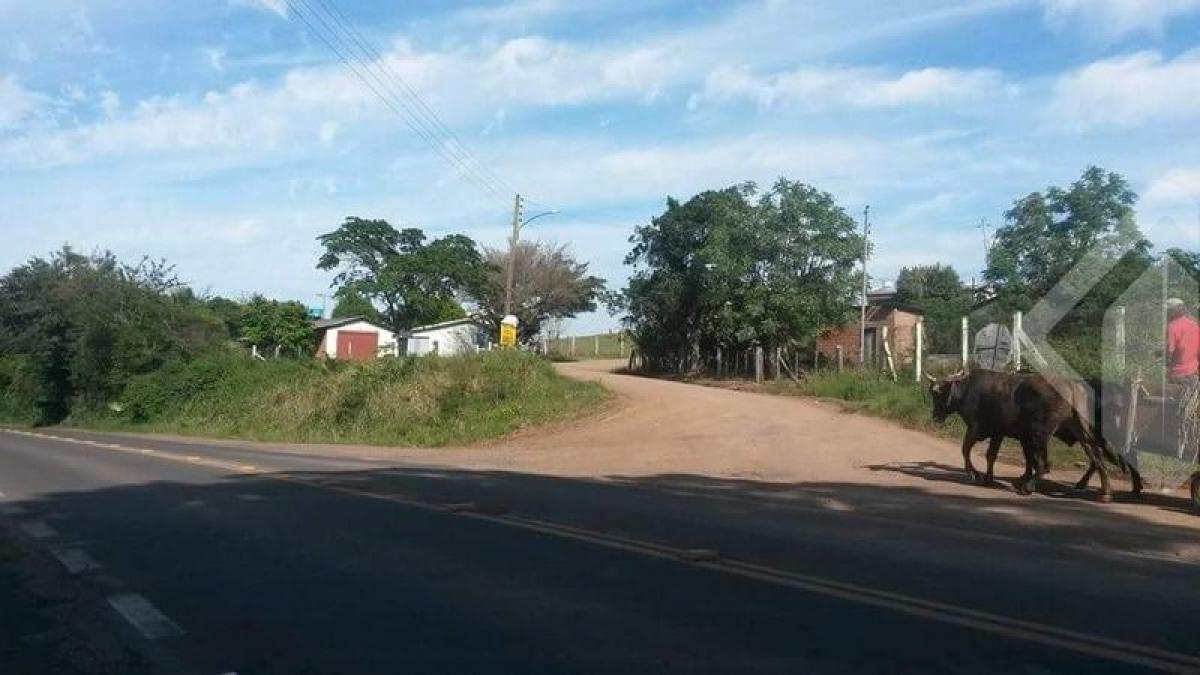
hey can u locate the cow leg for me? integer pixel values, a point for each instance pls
(1086, 478)
(1097, 460)
(1136, 477)
(993, 452)
(1027, 479)
(968, 443)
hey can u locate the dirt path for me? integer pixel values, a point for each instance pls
(659, 427)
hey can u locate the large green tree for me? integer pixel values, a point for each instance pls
(1047, 233)
(937, 291)
(275, 325)
(734, 267)
(351, 303)
(413, 281)
(84, 325)
(548, 283)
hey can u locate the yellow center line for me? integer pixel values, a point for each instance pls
(1018, 629)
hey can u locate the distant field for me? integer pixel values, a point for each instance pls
(599, 346)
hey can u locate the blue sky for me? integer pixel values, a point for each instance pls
(225, 136)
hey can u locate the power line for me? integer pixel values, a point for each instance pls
(372, 53)
(326, 34)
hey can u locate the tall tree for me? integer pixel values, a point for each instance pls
(271, 324)
(351, 303)
(414, 282)
(85, 325)
(1047, 233)
(548, 283)
(937, 291)
(734, 268)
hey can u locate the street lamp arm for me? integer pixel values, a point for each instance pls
(533, 218)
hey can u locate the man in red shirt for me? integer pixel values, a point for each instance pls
(1183, 344)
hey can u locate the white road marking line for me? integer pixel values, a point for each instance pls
(145, 617)
(38, 529)
(77, 561)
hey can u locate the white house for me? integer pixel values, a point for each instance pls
(446, 338)
(353, 339)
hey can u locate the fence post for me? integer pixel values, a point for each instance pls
(776, 367)
(545, 345)
(621, 345)
(720, 369)
(796, 360)
(572, 346)
(758, 364)
(596, 347)
(966, 341)
(887, 350)
(1019, 330)
(839, 358)
(920, 346)
(1118, 367)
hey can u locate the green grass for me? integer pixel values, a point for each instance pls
(406, 402)
(18, 389)
(600, 346)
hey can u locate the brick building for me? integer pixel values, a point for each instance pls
(901, 323)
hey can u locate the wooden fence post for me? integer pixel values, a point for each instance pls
(621, 345)
(966, 341)
(596, 348)
(839, 358)
(1019, 330)
(758, 364)
(776, 367)
(920, 347)
(572, 346)
(1118, 357)
(720, 366)
(887, 351)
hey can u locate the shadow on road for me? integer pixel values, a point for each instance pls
(273, 560)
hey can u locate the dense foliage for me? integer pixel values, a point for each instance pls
(731, 268)
(938, 292)
(414, 282)
(83, 325)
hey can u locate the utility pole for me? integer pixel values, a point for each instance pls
(862, 321)
(512, 255)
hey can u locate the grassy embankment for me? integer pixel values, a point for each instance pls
(412, 402)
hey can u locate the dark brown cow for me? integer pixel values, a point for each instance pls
(1029, 409)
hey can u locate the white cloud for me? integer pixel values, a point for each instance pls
(854, 87)
(1115, 18)
(17, 103)
(279, 7)
(1128, 91)
(1179, 185)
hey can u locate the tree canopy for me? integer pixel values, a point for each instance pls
(351, 303)
(84, 325)
(734, 267)
(548, 283)
(936, 290)
(413, 281)
(271, 324)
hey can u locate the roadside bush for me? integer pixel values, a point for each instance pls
(414, 401)
(18, 390)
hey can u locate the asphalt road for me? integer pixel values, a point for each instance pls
(230, 559)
